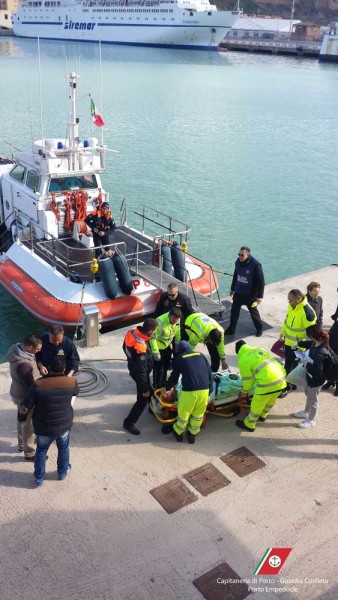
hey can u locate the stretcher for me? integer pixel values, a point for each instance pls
(226, 400)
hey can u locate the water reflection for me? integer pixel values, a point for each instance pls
(90, 51)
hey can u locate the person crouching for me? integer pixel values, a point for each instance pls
(261, 369)
(197, 383)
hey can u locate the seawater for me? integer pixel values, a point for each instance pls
(242, 147)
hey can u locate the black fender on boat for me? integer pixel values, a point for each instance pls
(108, 277)
(178, 260)
(166, 258)
(123, 275)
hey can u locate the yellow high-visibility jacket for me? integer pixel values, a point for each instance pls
(261, 369)
(164, 334)
(296, 321)
(198, 327)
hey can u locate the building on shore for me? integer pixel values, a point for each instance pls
(7, 8)
(250, 26)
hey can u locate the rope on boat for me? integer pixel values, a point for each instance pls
(95, 383)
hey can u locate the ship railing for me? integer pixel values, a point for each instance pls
(167, 227)
(54, 250)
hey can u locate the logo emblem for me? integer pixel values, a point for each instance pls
(272, 561)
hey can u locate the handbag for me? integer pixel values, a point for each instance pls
(278, 348)
(298, 376)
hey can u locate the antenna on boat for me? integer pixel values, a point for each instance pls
(40, 94)
(73, 122)
(101, 93)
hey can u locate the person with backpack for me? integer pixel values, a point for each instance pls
(317, 368)
(333, 333)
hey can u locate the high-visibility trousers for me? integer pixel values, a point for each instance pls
(191, 407)
(261, 404)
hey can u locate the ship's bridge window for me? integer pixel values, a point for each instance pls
(73, 182)
(18, 173)
(33, 180)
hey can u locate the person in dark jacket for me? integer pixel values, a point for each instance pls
(197, 383)
(140, 364)
(101, 223)
(24, 371)
(333, 333)
(315, 368)
(51, 397)
(315, 300)
(247, 289)
(172, 298)
(55, 343)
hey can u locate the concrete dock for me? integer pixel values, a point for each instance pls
(284, 47)
(101, 535)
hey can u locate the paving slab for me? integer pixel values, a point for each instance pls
(100, 535)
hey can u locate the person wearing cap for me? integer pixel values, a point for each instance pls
(263, 371)
(101, 223)
(197, 383)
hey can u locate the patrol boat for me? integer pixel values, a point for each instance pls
(192, 24)
(56, 183)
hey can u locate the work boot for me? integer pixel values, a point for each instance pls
(262, 419)
(178, 437)
(328, 385)
(166, 428)
(131, 428)
(242, 425)
(229, 331)
(191, 437)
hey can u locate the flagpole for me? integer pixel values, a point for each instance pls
(40, 93)
(101, 92)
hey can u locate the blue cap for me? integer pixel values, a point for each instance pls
(183, 347)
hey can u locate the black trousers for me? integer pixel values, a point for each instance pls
(100, 241)
(139, 406)
(290, 359)
(215, 359)
(237, 303)
(161, 367)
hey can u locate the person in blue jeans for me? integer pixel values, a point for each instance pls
(51, 396)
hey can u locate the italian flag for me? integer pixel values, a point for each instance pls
(97, 119)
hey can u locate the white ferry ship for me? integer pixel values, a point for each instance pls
(192, 24)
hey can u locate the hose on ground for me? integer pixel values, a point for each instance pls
(94, 382)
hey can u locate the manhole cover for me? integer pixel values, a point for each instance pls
(242, 461)
(173, 495)
(211, 587)
(206, 479)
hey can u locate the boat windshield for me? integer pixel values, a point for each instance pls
(73, 182)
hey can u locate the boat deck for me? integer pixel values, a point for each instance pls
(73, 260)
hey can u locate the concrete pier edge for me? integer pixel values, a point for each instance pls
(100, 534)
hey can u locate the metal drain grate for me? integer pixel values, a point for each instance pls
(242, 461)
(173, 495)
(206, 479)
(211, 587)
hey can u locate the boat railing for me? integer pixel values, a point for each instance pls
(213, 283)
(62, 257)
(168, 228)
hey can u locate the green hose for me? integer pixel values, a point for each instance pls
(96, 383)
